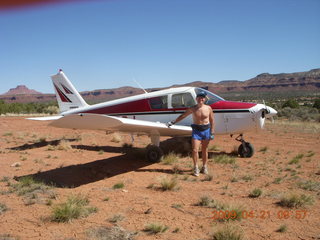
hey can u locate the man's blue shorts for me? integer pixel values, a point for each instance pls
(199, 134)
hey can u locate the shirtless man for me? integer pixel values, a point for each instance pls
(202, 130)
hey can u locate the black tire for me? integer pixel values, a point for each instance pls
(154, 154)
(247, 151)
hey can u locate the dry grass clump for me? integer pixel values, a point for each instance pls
(224, 159)
(3, 208)
(116, 218)
(293, 200)
(64, 145)
(283, 228)
(169, 184)
(109, 233)
(228, 232)
(170, 158)
(33, 191)
(296, 159)
(155, 228)
(206, 201)
(76, 206)
(116, 138)
(118, 185)
(309, 185)
(8, 237)
(255, 193)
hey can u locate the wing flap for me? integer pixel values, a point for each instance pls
(105, 122)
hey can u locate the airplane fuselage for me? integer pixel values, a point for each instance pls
(166, 105)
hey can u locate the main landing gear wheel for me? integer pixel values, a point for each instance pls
(245, 149)
(154, 154)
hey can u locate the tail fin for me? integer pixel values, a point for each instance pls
(67, 96)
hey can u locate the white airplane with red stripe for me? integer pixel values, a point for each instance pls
(149, 113)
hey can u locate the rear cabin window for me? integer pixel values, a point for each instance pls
(158, 102)
(182, 100)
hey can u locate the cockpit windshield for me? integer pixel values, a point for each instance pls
(211, 98)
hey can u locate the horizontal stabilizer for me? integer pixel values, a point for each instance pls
(105, 122)
(45, 118)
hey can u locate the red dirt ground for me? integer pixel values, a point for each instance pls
(90, 163)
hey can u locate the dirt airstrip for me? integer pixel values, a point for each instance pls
(91, 163)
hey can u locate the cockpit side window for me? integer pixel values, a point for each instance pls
(159, 102)
(182, 100)
(211, 98)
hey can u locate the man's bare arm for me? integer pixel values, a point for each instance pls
(211, 120)
(183, 115)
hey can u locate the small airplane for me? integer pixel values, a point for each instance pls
(150, 112)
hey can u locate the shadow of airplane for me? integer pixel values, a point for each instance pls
(132, 159)
(81, 174)
(40, 144)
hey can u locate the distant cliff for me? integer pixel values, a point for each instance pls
(306, 81)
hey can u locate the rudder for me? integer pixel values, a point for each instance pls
(67, 96)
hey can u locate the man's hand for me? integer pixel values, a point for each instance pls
(211, 136)
(169, 124)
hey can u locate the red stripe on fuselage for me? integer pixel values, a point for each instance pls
(142, 105)
(128, 107)
(232, 105)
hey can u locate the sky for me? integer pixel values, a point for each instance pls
(103, 44)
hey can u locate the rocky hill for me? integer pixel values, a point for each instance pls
(283, 82)
(21, 89)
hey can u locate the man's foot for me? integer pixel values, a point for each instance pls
(196, 171)
(204, 170)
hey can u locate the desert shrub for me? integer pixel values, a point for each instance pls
(296, 159)
(316, 104)
(295, 201)
(49, 108)
(224, 159)
(155, 228)
(291, 103)
(116, 218)
(109, 233)
(299, 114)
(309, 185)
(169, 184)
(228, 232)
(3, 208)
(255, 193)
(283, 228)
(118, 185)
(206, 201)
(74, 207)
(170, 158)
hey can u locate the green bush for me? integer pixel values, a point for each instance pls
(291, 103)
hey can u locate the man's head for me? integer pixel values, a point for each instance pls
(201, 94)
(201, 97)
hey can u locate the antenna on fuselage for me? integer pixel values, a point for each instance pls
(139, 85)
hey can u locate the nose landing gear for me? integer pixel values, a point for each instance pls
(245, 149)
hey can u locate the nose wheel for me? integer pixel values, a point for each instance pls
(245, 149)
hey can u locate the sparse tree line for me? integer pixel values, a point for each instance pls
(28, 108)
(295, 110)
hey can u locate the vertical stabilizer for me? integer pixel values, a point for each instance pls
(67, 96)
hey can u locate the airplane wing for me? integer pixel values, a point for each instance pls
(45, 118)
(105, 122)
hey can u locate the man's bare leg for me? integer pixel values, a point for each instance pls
(195, 154)
(204, 149)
